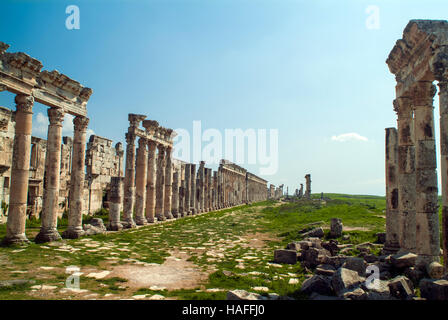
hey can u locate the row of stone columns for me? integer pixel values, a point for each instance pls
(20, 175)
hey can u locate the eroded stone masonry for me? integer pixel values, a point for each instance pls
(45, 178)
(417, 60)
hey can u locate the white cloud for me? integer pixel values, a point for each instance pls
(352, 136)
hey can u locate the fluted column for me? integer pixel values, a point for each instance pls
(140, 182)
(427, 219)
(115, 199)
(49, 216)
(406, 173)
(129, 182)
(151, 183)
(201, 186)
(392, 214)
(443, 105)
(77, 175)
(160, 184)
(175, 198)
(15, 225)
(193, 189)
(168, 184)
(187, 188)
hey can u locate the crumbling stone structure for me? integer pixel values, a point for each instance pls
(22, 75)
(308, 187)
(417, 60)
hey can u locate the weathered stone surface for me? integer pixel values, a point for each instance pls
(325, 270)
(331, 246)
(316, 232)
(354, 294)
(285, 256)
(317, 284)
(414, 274)
(379, 290)
(242, 295)
(345, 279)
(435, 270)
(403, 260)
(434, 289)
(401, 287)
(355, 264)
(336, 228)
(91, 230)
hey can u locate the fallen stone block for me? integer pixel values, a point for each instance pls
(403, 260)
(344, 279)
(401, 288)
(355, 264)
(336, 228)
(435, 270)
(242, 295)
(316, 232)
(325, 270)
(285, 256)
(317, 284)
(354, 294)
(434, 289)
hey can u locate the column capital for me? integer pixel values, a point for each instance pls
(56, 116)
(80, 123)
(152, 145)
(24, 103)
(130, 137)
(161, 148)
(423, 94)
(142, 142)
(403, 107)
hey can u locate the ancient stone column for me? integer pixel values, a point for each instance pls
(308, 187)
(406, 173)
(209, 189)
(193, 189)
(129, 182)
(151, 183)
(115, 199)
(49, 216)
(140, 182)
(427, 219)
(215, 191)
(15, 225)
(175, 197)
(160, 184)
(392, 244)
(201, 186)
(168, 184)
(77, 175)
(182, 198)
(443, 105)
(187, 188)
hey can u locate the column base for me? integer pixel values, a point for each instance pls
(115, 226)
(75, 233)
(169, 215)
(47, 236)
(128, 224)
(150, 220)
(390, 248)
(15, 240)
(423, 261)
(141, 221)
(160, 217)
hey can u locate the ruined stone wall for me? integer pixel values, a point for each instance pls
(103, 161)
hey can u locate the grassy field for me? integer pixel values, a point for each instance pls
(229, 249)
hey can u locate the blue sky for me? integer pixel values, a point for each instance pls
(311, 69)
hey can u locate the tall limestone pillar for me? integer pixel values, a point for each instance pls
(160, 183)
(115, 199)
(49, 217)
(129, 181)
(77, 176)
(392, 244)
(151, 183)
(187, 189)
(168, 184)
(15, 225)
(175, 198)
(193, 189)
(406, 173)
(308, 187)
(443, 105)
(208, 184)
(427, 218)
(140, 182)
(201, 186)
